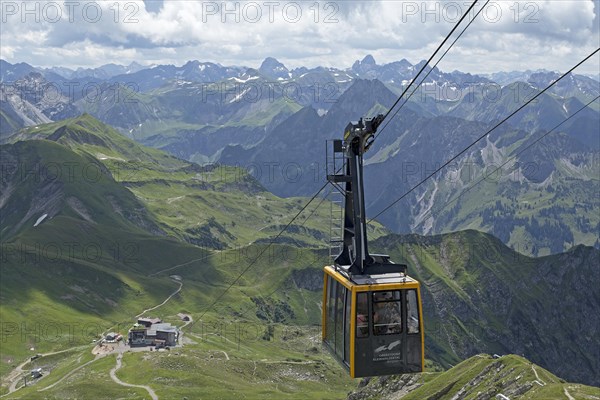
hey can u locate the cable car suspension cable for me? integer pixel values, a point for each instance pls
(430, 58)
(485, 176)
(271, 242)
(483, 136)
(428, 73)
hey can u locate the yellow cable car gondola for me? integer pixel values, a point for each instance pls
(372, 316)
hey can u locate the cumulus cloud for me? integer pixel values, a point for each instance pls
(507, 35)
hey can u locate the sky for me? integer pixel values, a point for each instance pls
(507, 35)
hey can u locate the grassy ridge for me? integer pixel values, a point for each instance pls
(210, 206)
(490, 376)
(479, 377)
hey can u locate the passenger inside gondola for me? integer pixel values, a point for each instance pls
(387, 314)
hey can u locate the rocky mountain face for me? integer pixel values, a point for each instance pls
(103, 72)
(12, 72)
(194, 71)
(273, 69)
(16, 112)
(398, 74)
(573, 86)
(519, 189)
(32, 100)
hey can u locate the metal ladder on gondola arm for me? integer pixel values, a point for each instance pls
(345, 173)
(336, 223)
(336, 196)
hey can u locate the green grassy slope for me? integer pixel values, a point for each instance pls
(87, 134)
(43, 177)
(479, 377)
(210, 206)
(212, 365)
(100, 257)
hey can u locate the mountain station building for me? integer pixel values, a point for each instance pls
(154, 333)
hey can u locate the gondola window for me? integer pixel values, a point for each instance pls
(362, 315)
(387, 313)
(412, 311)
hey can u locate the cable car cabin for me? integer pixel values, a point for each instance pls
(372, 317)
(373, 324)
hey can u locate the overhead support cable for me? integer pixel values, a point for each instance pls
(430, 58)
(485, 176)
(484, 135)
(429, 72)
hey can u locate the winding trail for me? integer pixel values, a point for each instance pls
(164, 302)
(181, 333)
(538, 380)
(568, 394)
(113, 376)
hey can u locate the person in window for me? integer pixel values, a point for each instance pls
(387, 318)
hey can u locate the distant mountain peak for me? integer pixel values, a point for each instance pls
(367, 64)
(271, 61)
(368, 60)
(420, 64)
(191, 63)
(272, 68)
(250, 72)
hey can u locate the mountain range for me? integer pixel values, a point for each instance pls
(82, 204)
(239, 116)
